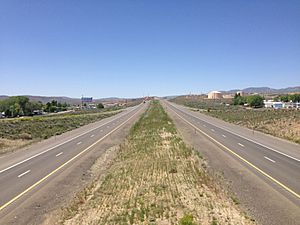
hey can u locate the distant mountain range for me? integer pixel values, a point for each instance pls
(62, 99)
(266, 90)
(77, 101)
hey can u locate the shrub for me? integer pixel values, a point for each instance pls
(187, 220)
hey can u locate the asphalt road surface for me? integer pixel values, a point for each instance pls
(274, 162)
(23, 172)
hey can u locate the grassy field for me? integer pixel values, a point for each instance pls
(280, 123)
(154, 179)
(199, 102)
(19, 132)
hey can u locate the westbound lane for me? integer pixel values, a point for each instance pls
(278, 166)
(20, 177)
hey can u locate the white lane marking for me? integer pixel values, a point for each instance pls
(107, 126)
(79, 143)
(223, 135)
(212, 130)
(92, 135)
(204, 125)
(273, 161)
(248, 139)
(22, 174)
(101, 130)
(49, 149)
(241, 145)
(59, 154)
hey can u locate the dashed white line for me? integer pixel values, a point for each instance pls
(107, 126)
(59, 154)
(22, 174)
(241, 145)
(101, 130)
(204, 125)
(273, 161)
(212, 130)
(79, 143)
(223, 135)
(92, 135)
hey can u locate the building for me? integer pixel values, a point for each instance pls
(228, 96)
(241, 93)
(280, 105)
(272, 104)
(215, 95)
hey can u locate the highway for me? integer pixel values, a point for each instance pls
(275, 161)
(23, 172)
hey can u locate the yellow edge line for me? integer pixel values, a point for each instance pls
(240, 157)
(66, 163)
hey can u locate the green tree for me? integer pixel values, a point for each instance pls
(255, 101)
(294, 98)
(100, 106)
(239, 100)
(284, 98)
(14, 106)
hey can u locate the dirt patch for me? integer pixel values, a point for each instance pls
(7, 145)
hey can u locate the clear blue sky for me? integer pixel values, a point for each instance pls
(134, 48)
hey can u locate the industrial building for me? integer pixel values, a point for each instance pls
(215, 95)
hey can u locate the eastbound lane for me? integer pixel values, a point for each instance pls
(282, 167)
(19, 177)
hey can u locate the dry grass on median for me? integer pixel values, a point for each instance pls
(155, 179)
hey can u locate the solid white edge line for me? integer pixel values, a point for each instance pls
(22, 174)
(248, 139)
(49, 149)
(273, 161)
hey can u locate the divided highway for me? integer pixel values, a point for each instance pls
(23, 171)
(276, 162)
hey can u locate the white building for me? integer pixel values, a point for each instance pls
(215, 95)
(272, 104)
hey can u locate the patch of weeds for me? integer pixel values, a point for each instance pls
(187, 220)
(235, 200)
